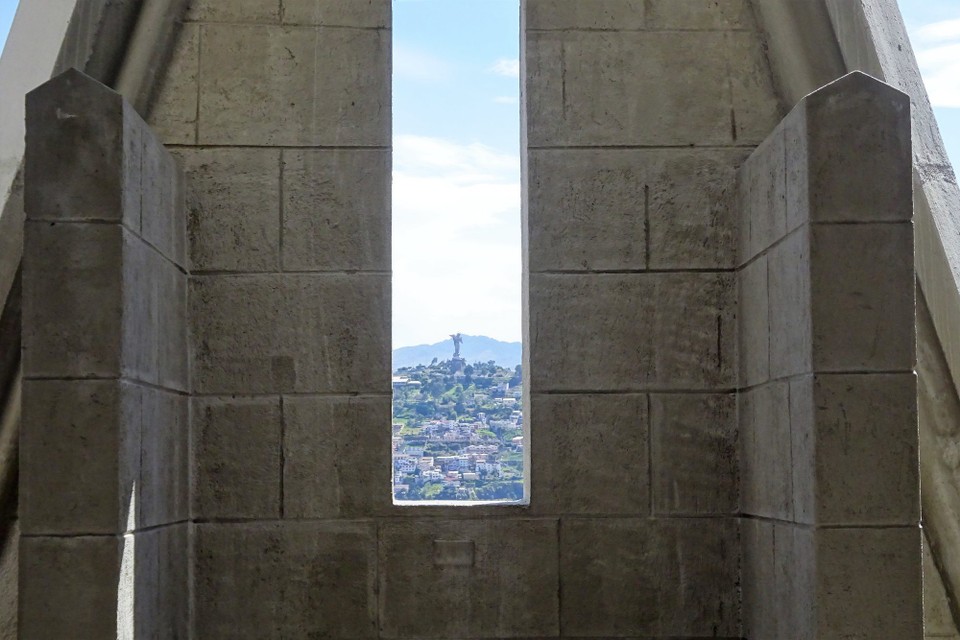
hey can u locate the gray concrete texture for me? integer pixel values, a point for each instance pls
(702, 346)
(828, 417)
(104, 446)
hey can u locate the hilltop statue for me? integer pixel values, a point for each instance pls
(457, 363)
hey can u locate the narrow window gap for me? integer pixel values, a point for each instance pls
(458, 427)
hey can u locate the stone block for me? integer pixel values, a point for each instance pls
(756, 107)
(79, 457)
(859, 568)
(804, 449)
(308, 579)
(862, 126)
(164, 458)
(292, 333)
(683, 577)
(779, 578)
(587, 210)
(761, 184)
(236, 457)
(78, 159)
(698, 14)
(590, 454)
(510, 589)
(162, 558)
(937, 616)
(154, 330)
(758, 580)
(692, 209)
(173, 115)
(753, 323)
(603, 209)
(294, 86)
(591, 15)
(866, 449)
(330, 445)
(862, 289)
(162, 206)
(172, 364)
(68, 587)
(370, 14)
(766, 483)
(71, 300)
(797, 177)
(336, 210)
(694, 454)
(242, 11)
(665, 331)
(141, 272)
(233, 208)
(788, 287)
(570, 104)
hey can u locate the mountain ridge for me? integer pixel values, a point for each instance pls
(473, 349)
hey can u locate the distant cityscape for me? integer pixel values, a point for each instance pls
(458, 430)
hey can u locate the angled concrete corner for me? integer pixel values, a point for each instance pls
(855, 121)
(104, 359)
(75, 109)
(838, 307)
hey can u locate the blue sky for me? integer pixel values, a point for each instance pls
(934, 27)
(456, 229)
(456, 181)
(7, 9)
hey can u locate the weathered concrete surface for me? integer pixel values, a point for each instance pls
(224, 182)
(304, 333)
(236, 466)
(328, 445)
(103, 450)
(938, 410)
(670, 324)
(606, 209)
(69, 587)
(266, 85)
(286, 579)
(587, 444)
(829, 456)
(632, 329)
(333, 201)
(694, 454)
(291, 368)
(668, 596)
(506, 588)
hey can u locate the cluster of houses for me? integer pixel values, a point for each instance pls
(477, 457)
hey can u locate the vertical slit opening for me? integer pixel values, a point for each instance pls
(458, 428)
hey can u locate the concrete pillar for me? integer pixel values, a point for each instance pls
(828, 413)
(103, 439)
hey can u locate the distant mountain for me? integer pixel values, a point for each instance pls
(473, 349)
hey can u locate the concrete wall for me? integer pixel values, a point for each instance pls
(280, 116)
(637, 116)
(828, 411)
(103, 450)
(685, 319)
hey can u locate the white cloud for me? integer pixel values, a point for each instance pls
(456, 241)
(509, 67)
(939, 31)
(506, 100)
(420, 65)
(938, 54)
